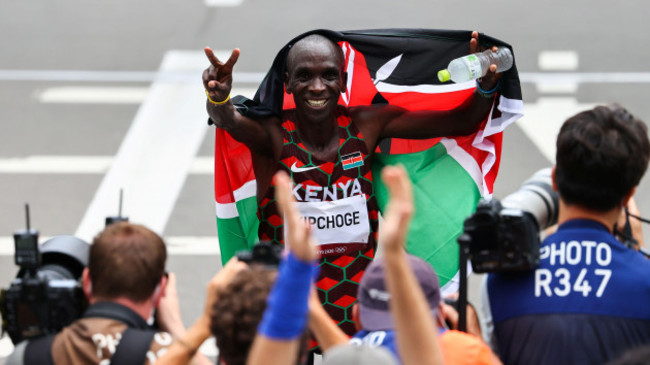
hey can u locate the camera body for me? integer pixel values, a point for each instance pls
(263, 253)
(46, 294)
(504, 236)
(502, 239)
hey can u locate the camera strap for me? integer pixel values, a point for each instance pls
(39, 351)
(133, 347)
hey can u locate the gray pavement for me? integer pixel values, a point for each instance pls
(114, 36)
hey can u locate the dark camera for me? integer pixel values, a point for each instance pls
(46, 294)
(264, 253)
(504, 236)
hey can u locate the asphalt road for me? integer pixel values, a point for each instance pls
(63, 61)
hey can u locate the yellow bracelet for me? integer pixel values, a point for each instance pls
(216, 102)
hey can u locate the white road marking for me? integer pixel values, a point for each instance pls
(156, 154)
(558, 60)
(123, 76)
(222, 3)
(94, 95)
(6, 347)
(256, 77)
(542, 121)
(81, 165)
(557, 87)
(586, 77)
(108, 94)
(176, 245)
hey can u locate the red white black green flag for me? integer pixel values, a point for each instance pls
(394, 66)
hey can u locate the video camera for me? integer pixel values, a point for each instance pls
(46, 294)
(504, 236)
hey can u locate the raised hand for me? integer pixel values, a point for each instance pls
(400, 208)
(298, 237)
(217, 79)
(489, 81)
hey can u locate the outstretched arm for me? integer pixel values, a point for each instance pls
(394, 121)
(416, 331)
(217, 80)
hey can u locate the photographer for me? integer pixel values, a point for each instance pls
(124, 282)
(586, 303)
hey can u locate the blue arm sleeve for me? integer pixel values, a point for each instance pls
(285, 316)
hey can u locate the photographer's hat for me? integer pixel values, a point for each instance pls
(373, 296)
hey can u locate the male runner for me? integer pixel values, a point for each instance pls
(326, 149)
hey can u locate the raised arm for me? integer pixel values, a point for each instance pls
(186, 345)
(394, 121)
(285, 318)
(416, 331)
(217, 80)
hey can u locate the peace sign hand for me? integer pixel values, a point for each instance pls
(217, 79)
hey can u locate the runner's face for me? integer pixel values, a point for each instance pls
(315, 79)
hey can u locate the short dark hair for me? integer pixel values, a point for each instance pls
(238, 312)
(601, 156)
(126, 260)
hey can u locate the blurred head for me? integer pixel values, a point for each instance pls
(349, 354)
(602, 154)
(126, 260)
(374, 310)
(238, 312)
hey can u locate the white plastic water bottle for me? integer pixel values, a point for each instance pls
(476, 65)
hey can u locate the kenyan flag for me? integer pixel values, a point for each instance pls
(394, 66)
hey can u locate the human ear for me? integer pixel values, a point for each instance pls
(553, 178)
(287, 88)
(87, 283)
(159, 292)
(626, 198)
(356, 318)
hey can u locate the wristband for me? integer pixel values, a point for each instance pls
(285, 317)
(207, 93)
(487, 94)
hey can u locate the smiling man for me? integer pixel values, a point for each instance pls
(326, 148)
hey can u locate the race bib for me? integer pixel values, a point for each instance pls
(339, 221)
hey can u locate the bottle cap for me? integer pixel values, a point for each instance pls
(443, 75)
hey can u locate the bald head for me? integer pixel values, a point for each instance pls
(314, 43)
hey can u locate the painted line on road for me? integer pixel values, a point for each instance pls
(256, 77)
(154, 157)
(93, 95)
(222, 3)
(176, 245)
(81, 165)
(542, 121)
(6, 346)
(585, 77)
(558, 60)
(557, 88)
(124, 76)
(109, 95)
